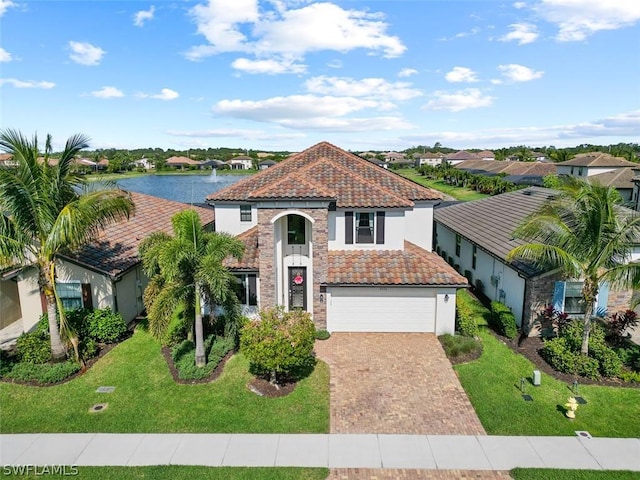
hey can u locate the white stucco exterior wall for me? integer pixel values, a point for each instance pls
(30, 303)
(509, 289)
(419, 225)
(394, 231)
(101, 286)
(228, 219)
(446, 311)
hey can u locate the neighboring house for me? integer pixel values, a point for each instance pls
(241, 162)
(486, 155)
(145, 163)
(105, 273)
(343, 239)
(263, 165)
(213, 164)
(587, 164)
(428, 158)
(621, 179)
(539, 156)
(378, 162)
(6, 160)
(460, 156)
(520, 173)
(183, 162)
(477, 236)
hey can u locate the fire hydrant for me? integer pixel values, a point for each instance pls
(571, 407)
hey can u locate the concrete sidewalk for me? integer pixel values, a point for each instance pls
(432, 452)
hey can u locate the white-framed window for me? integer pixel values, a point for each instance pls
(245, 213)
(70, 294)
(246, 288)
(573, 302)
(364, 227)
(296, 230)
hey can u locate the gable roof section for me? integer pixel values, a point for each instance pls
(325, 169)
(411, 266)
(510, 168)
(462, 155)
(598, 159)
(619, 178)
(115, 250)
(490, 222)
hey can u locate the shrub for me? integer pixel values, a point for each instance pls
(219, 349)
(586, 366)
(619, 323)
(88, 348)
(105, 326)
(556, 352)
(279, 343)
(34, 347)
(178, 329)
(465, 319)
(183, 356)
(628, 376)
(456, 345)
(502, 320)
(608, 360)
(630, 356)
(45, 373)
(322, 335)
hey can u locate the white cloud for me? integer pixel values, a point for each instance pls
(335, 64)
(461, 74)
(5, 5)
(458, 101)
(407, 72)
(621, 125)
(578, 19)
(519, 5)
(346, 125)
(279, 109)
(26, 83)
(288, 31)
(165, 94)
(143, 15)
(522, 33)
(246, 134)
(108, 92)
(271, 66)
(470, 33)
(373, 88)
(519, 73)
(85, 53)
(4, 55)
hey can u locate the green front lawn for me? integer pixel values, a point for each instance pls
(147, 399)
(181, 472)
(492, 383)
(459, 193)
(547, 473)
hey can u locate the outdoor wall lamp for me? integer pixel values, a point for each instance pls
(322, 298)
(446, 297)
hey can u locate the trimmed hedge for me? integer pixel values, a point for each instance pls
(45, 373)
(105, 326)
(183, 355)
(34, 347)
(465, 318)
(502, 320)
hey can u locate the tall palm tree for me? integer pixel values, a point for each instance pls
(46, 209)
(182, 268)
(586, 233)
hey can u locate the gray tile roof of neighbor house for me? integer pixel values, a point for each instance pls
(598, 159)
(489, 223)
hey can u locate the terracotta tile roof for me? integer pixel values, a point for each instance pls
(323, 169)
(510, 168)
(182, 161)
(598, 159)
(413, 266)
(249, 260)
(115, 250)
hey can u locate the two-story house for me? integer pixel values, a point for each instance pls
(343, 239)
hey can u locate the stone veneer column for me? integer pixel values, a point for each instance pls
(320, 239)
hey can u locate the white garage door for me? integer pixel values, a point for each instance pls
(374, 309)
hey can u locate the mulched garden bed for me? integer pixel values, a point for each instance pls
(166, 353)
(530, 348)
(264, 388)
(104, 349)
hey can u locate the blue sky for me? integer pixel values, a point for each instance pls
(286, 74)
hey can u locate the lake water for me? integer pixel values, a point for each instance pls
(180, 188)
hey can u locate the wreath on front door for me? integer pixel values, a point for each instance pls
(298, 279)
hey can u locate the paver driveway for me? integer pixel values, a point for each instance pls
(395, 383)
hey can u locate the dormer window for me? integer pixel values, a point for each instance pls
(368, 227)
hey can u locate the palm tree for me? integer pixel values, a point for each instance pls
(184, 267)
(586, 233)
(46, 210)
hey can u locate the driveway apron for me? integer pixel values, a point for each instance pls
(395, 383)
